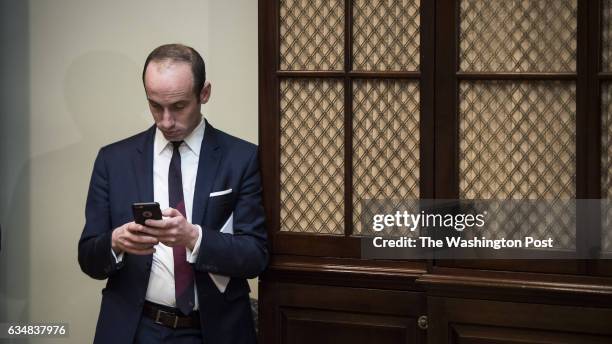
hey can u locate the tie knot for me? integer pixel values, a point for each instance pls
(176, 144)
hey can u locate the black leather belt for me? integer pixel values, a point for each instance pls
(170, 317)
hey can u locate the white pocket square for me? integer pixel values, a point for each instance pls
(220, 193)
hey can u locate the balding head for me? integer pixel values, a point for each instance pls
(179, 53)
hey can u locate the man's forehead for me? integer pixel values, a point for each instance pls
(166, 64)
(168, 69)
(168, 76)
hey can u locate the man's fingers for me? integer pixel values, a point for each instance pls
(156, 223)
(134, 245)
(171, 212)
(134, 227)
(136, 234)
(160, 223)
(143, 239)
(158, 232)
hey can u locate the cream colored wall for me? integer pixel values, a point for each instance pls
(71, 85)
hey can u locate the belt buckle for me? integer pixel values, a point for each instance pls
(158, 314)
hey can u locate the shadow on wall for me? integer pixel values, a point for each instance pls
(98, 92)
(14, 151)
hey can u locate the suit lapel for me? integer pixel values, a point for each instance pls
(143, 166)
(210, 157)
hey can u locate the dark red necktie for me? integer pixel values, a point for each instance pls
(183, 272)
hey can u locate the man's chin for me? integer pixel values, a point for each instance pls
(172, 136)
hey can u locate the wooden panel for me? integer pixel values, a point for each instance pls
(301, 313)
(470, 334)
(356, 273)
(304, 326)
(451, 52)
(527, 265)
(317, 288)
(476, 321)
(527, 287)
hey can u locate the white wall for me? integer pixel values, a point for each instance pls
(71, 84)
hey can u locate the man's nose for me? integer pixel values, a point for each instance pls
(167, 121)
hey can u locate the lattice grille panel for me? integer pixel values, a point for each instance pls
(312, 156)
(312, 35)
(517, 141)
(386, 35)
(518, 35)
(606, 35)
(606, 164)
(554, 219)
(385, 142)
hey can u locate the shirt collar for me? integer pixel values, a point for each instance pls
(193, 140)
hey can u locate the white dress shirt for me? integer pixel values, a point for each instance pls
(161, 280)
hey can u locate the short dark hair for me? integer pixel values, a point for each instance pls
(180, 53)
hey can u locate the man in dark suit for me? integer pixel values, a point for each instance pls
(181, 279)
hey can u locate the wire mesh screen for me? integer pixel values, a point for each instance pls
(518, 35)
(606, 35)
(385, 142)
(386, 35)
(606, 163)
(517, 140)
(312, 156)
(312, 34)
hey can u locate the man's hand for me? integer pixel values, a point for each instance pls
(129, 238)
(172, 231)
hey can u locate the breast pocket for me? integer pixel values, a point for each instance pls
(221, 197)
(220, 207)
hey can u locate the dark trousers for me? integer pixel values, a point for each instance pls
(149, 332)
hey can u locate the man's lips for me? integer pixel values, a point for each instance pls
(170, 133)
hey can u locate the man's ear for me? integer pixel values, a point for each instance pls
(205, 93)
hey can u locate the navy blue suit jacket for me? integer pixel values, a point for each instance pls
(122, 175)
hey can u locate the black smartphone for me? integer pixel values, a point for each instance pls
(146, 211)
